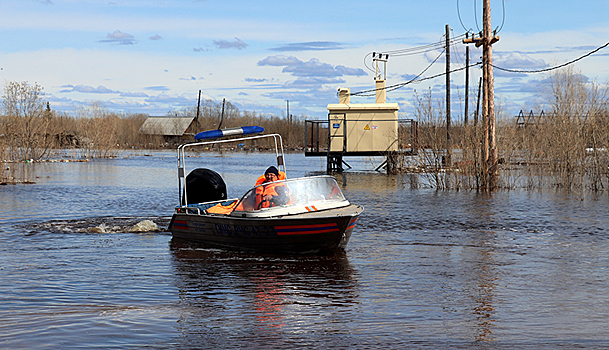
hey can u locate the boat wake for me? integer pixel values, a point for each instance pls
(108, 225)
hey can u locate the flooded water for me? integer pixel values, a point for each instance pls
(86, 262)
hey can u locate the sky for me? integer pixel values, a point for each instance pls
(153, 57)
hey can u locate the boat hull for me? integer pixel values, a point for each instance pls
(322, 232)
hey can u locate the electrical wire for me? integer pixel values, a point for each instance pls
(406, 52)
(476, 16)
(415, 79)
(555, 67)
(437, 75)
(503, 15)
(499, 28)
(366, 65)
(459, 15)
(397, 86)
(416, 51)
(459, 55)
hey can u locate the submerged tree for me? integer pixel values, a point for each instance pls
(25, 122)
(567, 147)
(98, 131)
(574, 127)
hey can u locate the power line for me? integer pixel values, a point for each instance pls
(476, 16)
(555, 67)
(421, 49)
(459, 14)
(364, 92)
(424, 48)
(412, 51)
(503, 15)
(414, 80)
(444, 73)
(417, 50)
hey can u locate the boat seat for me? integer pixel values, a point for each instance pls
(203, 207)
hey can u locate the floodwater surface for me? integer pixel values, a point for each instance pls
(86, 262)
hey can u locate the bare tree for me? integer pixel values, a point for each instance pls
(432, 137)
(574, 125)
(26, 121)
(98, 131)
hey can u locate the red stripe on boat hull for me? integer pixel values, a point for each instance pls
(306, 229)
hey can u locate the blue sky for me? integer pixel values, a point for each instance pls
(154, 56)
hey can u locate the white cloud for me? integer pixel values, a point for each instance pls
(173, 98)
(87, 89)
(133, 94)
(516, 60)
(310, 46)
(311, 68)
(224, 44)
(313, 82)
(279, 61)
(120, 38)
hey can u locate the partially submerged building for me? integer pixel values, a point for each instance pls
(360, 129)
(172, 129)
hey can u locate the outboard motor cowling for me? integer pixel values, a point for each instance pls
(204, 185)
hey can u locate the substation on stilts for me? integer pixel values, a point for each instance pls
(362, 130)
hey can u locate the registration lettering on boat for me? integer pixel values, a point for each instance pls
(244, 230)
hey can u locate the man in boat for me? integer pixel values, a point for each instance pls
(263, 178)
(267, 194)
(271, 194)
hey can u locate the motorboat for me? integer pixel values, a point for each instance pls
(307, 215)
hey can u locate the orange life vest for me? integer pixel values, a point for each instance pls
(277, 192)
(261, 179)
(222, 209)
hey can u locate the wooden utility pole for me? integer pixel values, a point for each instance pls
(478, 103)
(466, 82)
(489, 146)
(492, 146)
(197, 127)
(222, 115)
(448, 141)
(288, 119)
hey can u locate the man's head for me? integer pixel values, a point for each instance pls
(271, 174)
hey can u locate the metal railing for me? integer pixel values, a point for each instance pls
(317, 135)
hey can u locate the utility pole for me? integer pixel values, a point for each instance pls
(448, 141)
(198, 112)
(489, 146)
(490, 39)
(478, 103)
(288, 119)
(222, 115)
(466, 82)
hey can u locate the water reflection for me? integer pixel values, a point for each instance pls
(236, 297)
(483, 269)
(425, 269)
(268, 302)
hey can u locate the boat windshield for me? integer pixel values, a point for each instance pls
(296, 195)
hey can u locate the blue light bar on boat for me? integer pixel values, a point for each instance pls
(214, 134)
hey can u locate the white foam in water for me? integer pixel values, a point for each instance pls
(103, 228)
(144, 226)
